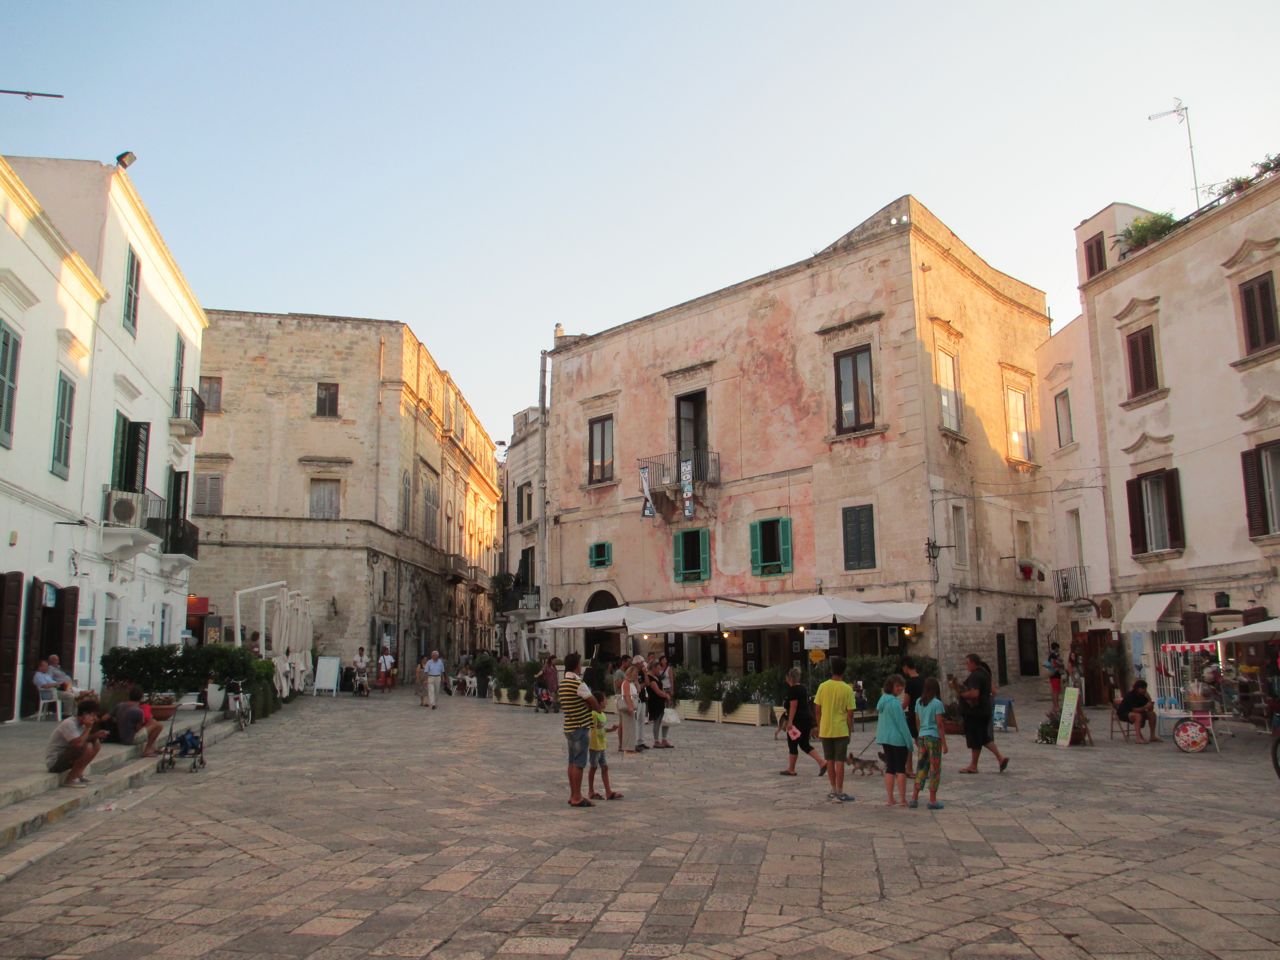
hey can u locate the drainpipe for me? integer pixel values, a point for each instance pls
(377, 451)
(542, 487)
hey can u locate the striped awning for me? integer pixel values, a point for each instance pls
(1189, 647)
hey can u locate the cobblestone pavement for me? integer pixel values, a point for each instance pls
(342, 829)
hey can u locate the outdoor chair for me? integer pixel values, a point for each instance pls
(50, 703)
(1124, 724)
(473, 688)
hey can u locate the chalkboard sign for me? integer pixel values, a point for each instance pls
(327, 670)
(1070, 701)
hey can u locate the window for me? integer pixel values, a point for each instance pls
(525, 574)
(1258, 307)
(1019, 438)
(1062, 409)
(431, 507)
(326, 399)
(179, 371)
(960, 534)
(129, 456)
(211, 394)
(601, 453)
(859, 538)
(692, 549)
(132, 291)
(1155, 512)
(326, 499)
(524, 502)
(208, 498)
(1095, 256)
(948, 377)
(1262, 489)
(65, 404)
(1142, 362)
(1076, 531)
(854, 400)
(10, 344)
(771, 547)
(599, 555)
(691, 422)
(406, 502)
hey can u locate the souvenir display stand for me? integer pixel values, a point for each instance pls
(1186, 706)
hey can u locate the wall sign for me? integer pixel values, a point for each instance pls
(817, 639)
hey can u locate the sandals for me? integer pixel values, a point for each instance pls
(614, 795)
(966, 770)
(582, 803)
(595, 796)
(1004, 763)
(786, 773)
(822, 770)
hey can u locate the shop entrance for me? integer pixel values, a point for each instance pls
(52, 614)
(1028, 648)
(601, 642)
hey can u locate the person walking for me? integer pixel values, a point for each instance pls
(434, 672)
(975, 705)
(628, 711)
(799, 724)
(893, 734)
(833, 705)
(931, 744)
(386, 670)
(576, 705)
(1054, 663)
(642, 714)
(551, 681)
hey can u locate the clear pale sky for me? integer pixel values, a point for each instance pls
(485, 170)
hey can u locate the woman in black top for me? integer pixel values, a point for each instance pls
(799, 723)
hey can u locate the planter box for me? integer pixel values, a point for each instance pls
(751, 714)
(688, 710)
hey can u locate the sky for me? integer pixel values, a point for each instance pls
(483, 171)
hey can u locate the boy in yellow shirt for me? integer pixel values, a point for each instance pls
(599, 754)
(833, 706)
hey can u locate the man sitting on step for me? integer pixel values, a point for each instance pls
(131, 723)
(74, 744)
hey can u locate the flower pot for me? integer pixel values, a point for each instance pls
(752, 714)
(164, 712)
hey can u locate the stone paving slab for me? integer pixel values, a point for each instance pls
(313, 836)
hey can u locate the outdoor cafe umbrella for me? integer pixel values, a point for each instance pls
(822, 608)
(627, 618)
(1265, 631)
(707, 618)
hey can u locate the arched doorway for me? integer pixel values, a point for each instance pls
(606, 642)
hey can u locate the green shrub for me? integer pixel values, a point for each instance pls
(1143, 231)
(152, 668)
(527, 674)
(707, 690)
(513, 694)
(505, 677)
(732, 695)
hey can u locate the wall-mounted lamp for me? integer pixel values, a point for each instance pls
(125, 160)
(725, 634)
(908, 632)
(802, 629)
(644, 636)
(932, 548)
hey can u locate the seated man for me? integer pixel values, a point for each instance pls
(50, 686)
(131, 723)
(1137, 708)
(74, 744)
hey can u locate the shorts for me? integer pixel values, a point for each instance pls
(975, 731)
(64, 763)
(1055, 684)
(801, 744)
(579, 746)
(895, 758)
(599, 758)
(835, 748)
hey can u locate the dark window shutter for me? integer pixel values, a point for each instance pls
(34, 650)
(1195, 626)
(135, 465)
(755, 548)
(1135, 366)
(704, 554)
(1253, 615)
(10, 622)
(1254, 507)
(867, 538)
(849, 529)
(784, 543)
(677, 553)
(178, 495)
(1173, 509)
(69, 607)
(119, 454)
(1137, 524)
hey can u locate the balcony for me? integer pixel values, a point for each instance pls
(180, 547)
(519, 598)
(665, 470)
(455, 567)
(131, 522)
(1070, 584)
(187, 419)
(479, 578)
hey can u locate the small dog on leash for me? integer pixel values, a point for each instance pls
(864, 768)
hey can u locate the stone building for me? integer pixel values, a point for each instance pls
(1180, 351)
(522, 534)
(339, 457)
(859, 423)
(99, 353)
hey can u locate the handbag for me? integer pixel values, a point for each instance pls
(670, 717)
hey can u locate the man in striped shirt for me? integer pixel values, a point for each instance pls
(576, 704)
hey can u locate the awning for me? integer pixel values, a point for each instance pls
(632, 619)
(824, 608)
(1147, 612)
(1189, 647)
(1264, 631)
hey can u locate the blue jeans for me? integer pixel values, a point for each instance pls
(579, 746)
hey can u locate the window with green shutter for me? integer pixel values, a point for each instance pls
(691, 551)
(859, 538)
(65, 404)
(771, 547)
(600, 554)
(132, 291)
(10, 344)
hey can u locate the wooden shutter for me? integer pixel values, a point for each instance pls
(1173, 509)
(704, 554)
(10, 344)
(1137, 523)
(69, 609)
(677, 553)
(1255, 507)
(178, 494)
(608, 554)
(30, 698)
(784, 543)
(119, 452)
(135, 463)
(10, 623)
(208, 495)
(755, 548)
(1195, 626)
(179, 365)
(849, 529)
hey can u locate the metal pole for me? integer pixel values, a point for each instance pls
(1186, 112)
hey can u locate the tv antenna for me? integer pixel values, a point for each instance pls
(31, 94)
(1183, 113)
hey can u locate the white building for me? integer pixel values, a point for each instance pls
(523, 534)
(102, 348)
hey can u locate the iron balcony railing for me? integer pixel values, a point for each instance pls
(478, 577)
(188, 411)
(455, 567)
(665, 471)
(1070, 584)
(128, 508)
(181, 537)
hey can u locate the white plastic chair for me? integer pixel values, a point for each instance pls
(50, 704)
(473, 687)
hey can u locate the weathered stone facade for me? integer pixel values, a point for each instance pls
(522, 533)
(753, 372)
(345, 461)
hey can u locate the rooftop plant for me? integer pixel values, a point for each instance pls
(1143, 231)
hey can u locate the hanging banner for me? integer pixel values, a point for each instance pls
(647, 510)
(686, 487)
(1070, 702)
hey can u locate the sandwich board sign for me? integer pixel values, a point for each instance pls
(326, 675)
(1070, 702)
(1002, 717)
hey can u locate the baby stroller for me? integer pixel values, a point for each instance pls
(541, 698)
(187, 745)
(360, 683)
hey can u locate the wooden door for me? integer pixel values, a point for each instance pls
(68, 626)
(33, 642)
(1002, 661)
(10, 623)
(1028, 648)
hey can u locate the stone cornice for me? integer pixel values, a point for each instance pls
(1247, 249)
(1135, 307)
(1144, 439)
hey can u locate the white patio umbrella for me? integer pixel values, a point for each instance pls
(630, 619)
(822, 608)
(708, 618)
(1263, 631)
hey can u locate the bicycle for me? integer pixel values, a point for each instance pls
(238, 703)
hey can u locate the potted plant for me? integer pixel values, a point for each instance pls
(484, 666)
(1143, 231)
(505, 683)
(163, 706)
(707, 695)
(1048, 731)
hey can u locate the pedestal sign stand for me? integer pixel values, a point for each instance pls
(1070, 703)
(327, 674)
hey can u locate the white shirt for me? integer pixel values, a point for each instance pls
(360, 662)
(386, 662)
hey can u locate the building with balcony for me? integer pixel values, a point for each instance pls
(100, 340)
(858, 423)
(1178, 350)
(522, 541)
(339, 457)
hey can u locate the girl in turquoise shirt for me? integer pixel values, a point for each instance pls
(931, 745)
(894, 735)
